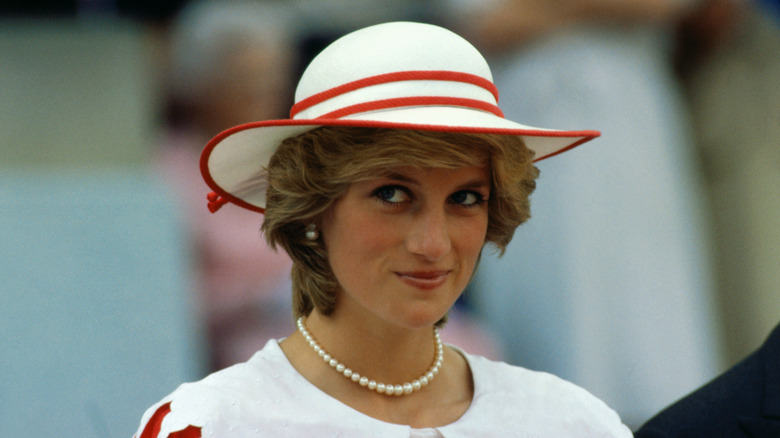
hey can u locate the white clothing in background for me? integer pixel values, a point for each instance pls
(608, 285)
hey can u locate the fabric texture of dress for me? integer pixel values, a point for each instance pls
(266, 396)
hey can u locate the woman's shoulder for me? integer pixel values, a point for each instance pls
(497, 377)
(220, 397)
(538, 399)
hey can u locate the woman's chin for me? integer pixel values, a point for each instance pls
(421, 319)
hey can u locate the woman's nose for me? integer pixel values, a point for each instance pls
(428, 236)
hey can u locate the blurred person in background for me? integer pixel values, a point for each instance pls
(618, 259)
(229, 62)
(729, 59)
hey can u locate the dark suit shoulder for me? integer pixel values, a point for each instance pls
(720, 408)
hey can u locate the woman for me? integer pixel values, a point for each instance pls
(394, 171)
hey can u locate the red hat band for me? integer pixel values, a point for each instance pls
(415, 88)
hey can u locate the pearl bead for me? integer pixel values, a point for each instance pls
(382, 388)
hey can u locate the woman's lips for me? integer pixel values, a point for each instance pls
(424, 279)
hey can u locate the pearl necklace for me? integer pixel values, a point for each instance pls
(382, 388)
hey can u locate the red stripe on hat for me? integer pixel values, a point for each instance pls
(412, 75)
(411, 101)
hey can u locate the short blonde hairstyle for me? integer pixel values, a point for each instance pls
(309, 172)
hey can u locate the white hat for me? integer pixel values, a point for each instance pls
(398, 75)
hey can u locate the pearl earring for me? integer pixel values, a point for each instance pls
(311, 232)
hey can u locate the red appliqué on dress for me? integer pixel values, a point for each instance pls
(152, 429)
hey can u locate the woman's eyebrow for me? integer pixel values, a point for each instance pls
(396, 176)
(478, 183)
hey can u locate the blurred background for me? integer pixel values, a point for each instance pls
(651, 265)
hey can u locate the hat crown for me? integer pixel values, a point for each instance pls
(390, 49)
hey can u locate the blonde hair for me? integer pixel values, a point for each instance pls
(309, 172)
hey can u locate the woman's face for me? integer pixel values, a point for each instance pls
(404, 246)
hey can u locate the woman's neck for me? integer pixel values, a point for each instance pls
(376, 349)
(392, 355)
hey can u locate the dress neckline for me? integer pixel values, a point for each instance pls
(277, 351)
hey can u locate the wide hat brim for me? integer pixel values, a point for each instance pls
(447, 94)
(234, 162)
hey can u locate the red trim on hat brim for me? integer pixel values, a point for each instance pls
(316, 123)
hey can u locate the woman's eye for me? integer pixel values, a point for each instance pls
(392, 194)
(467, 198)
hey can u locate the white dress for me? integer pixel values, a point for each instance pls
(266, 397)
